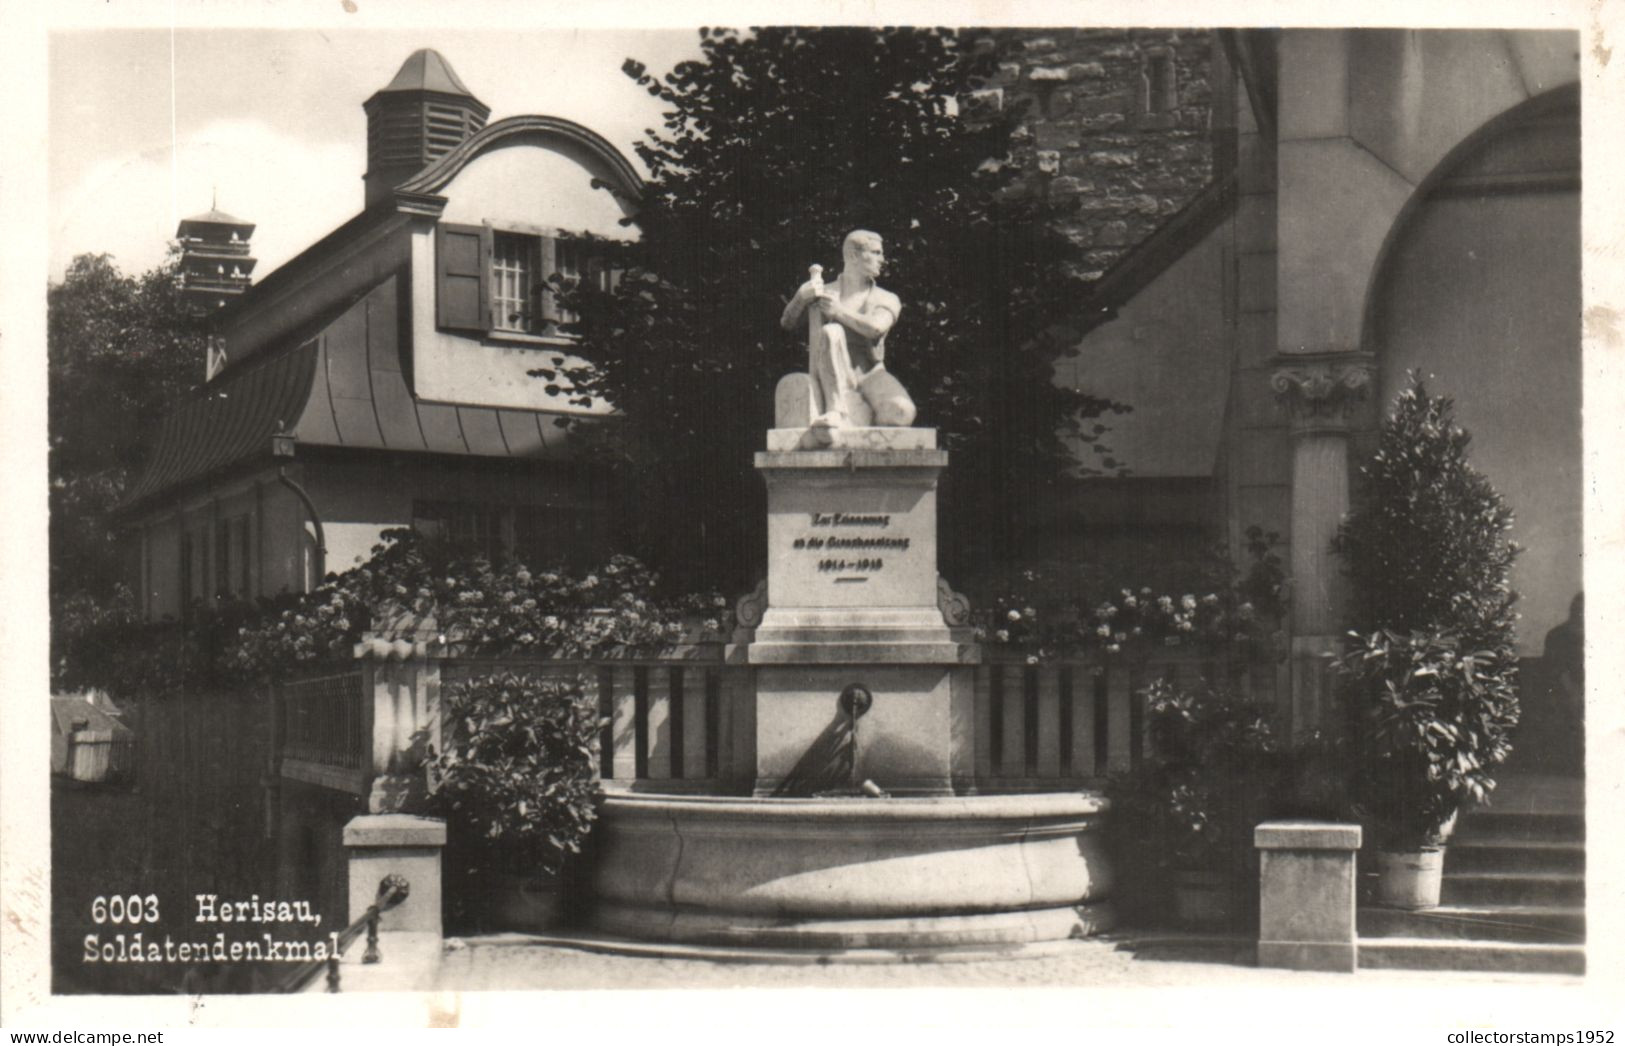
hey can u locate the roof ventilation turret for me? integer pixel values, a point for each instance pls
(423, 114)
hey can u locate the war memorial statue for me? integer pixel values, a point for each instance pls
(847, 383)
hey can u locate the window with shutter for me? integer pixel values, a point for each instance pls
(499, 282)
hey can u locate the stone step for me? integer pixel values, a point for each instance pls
(1505, 826)
(1528, 923)
(1537, 793)
(1513, 888)
(1420, 953)
(1514, 855)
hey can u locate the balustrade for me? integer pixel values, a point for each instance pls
(684, 722)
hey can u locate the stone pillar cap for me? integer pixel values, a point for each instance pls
(1306, 835)
(379, 830)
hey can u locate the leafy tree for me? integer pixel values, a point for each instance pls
(1432, 663)
(778, 143)
(119, 351)
(1427, 545)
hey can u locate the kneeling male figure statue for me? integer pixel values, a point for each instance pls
(846, 341)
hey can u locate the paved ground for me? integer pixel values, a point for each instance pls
(513, 962)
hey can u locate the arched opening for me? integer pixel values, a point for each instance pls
(1480, 289)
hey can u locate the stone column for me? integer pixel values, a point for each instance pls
(1320, 390)
(1306, 912)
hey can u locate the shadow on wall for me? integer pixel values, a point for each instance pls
(1550, 737)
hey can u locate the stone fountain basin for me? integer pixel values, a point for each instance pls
(850, 872)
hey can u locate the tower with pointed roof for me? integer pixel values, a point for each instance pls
(215, 263)
(420, 116)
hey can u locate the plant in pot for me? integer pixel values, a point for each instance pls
(517, 783)
(1429, 673)
(1184, 819)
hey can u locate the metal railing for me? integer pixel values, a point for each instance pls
(324, 721)
(392, 890)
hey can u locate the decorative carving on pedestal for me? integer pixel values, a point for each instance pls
(1322, 389)
(749, 609)
(955, 607)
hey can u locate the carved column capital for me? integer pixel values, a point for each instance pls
(1322, 389)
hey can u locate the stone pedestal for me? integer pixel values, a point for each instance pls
(1306, 916)
(397, 844)
(853, 601)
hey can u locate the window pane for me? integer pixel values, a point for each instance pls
(185, 580)
(473, 528)
(244, 558)
(515, 282)
(572, 261)
(555, 535)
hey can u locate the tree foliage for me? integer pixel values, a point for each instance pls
(775, 145)
(120, 350)
(1432, 660)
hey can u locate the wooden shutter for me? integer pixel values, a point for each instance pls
(462, 277)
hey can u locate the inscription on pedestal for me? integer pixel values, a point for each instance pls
(867, 544)
(849, 547)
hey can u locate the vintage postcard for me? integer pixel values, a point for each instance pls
(518, 507)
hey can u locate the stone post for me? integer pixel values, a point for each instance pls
(1306, 913)
(1320, 390)
(397, 844)
(401, 680)
(406, 954)
(401, 676)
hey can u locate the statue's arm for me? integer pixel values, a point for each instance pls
(797, 305)
(792, 312)
(873, 324)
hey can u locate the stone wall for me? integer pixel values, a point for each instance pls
(1120, 119)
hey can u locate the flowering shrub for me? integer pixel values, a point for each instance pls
(1209, 772)
(1214, 768)
(518, 777)
(1035, 616)
(480, 607)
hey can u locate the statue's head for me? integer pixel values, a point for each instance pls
(862, 250)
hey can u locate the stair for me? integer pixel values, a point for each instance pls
(1416, 953)
(1513, 896)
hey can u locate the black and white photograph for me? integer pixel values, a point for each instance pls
(1075, 497)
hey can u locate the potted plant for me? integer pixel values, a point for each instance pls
(1430, 670)
(1185, 817)
(518, 786)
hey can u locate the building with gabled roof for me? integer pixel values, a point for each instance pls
(379, 379)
